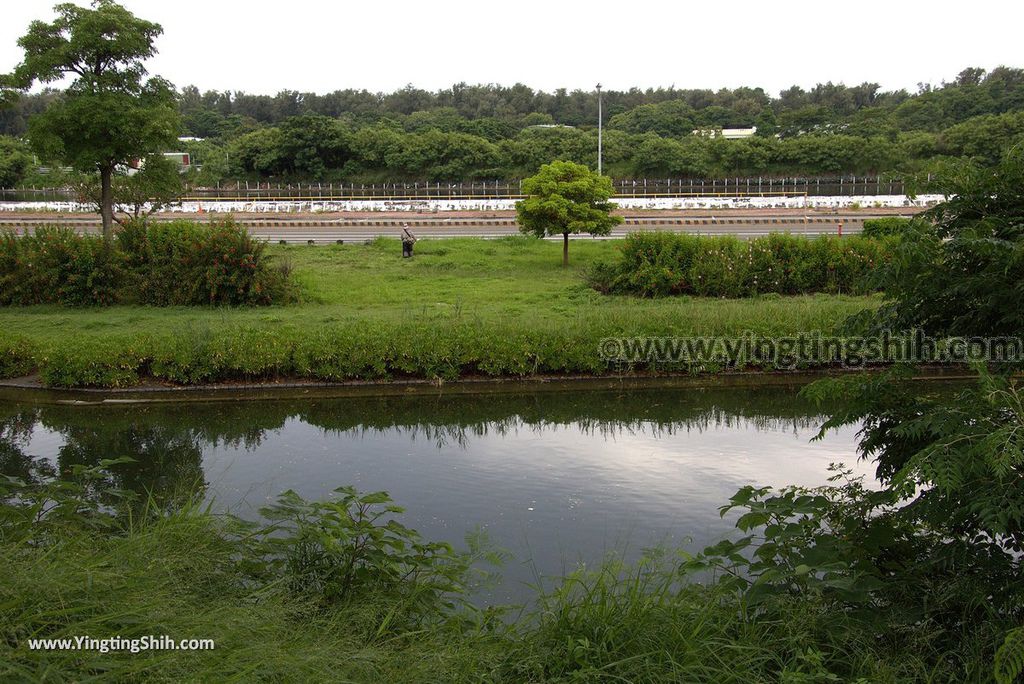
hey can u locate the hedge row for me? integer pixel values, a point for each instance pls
(659, 264)
(364, 351)
(17, 356)
(58, 266)
(183, 263)
(176, 263)
(360, 352)
(885, 226)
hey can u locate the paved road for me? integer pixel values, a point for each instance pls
(306, 230)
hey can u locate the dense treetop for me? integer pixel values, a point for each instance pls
(490, 131)
(111, 112)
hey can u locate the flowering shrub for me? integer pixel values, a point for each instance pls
(651, 264)
(720, 268)
(56, 265)
(182, 263)
(177, 263)
(660, 264)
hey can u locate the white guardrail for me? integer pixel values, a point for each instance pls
(435, 205)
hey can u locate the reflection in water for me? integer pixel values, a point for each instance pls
(166, 442)
(553, 477)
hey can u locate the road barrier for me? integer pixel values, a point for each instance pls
(313, 231)
(760, 186)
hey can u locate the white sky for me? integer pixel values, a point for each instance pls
(382, 45)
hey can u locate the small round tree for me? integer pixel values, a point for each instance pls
(566, 198)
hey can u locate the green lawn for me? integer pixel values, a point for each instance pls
(509, 281)
(475, 290)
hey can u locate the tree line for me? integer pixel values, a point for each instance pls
(489, 131)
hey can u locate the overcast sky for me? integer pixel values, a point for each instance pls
(382, 45)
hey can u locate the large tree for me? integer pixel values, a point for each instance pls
(109, 114)
(564, 199)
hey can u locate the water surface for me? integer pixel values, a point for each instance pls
(554, 478)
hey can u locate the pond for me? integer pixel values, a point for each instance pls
(554, 478)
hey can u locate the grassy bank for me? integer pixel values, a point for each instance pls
(274, 613)
(467, 306)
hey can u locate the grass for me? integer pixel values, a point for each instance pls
(186, 575)
(178, 576)
(468, 298)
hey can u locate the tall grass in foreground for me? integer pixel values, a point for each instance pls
(79, 570)
(179, 575)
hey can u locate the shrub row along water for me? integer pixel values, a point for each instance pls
(660, 264)
(175, 263)
(362, 350)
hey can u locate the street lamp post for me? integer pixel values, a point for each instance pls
(599, 117)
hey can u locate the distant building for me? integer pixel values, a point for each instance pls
(182, 159)
(190, 138)
(727, 133)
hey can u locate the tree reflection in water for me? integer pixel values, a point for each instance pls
(166, 442)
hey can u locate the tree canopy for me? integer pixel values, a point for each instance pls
(489, 131)
(110, 114)
(15, 160)
(960, 267)
(564, 199)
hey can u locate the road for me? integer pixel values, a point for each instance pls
(325, 231)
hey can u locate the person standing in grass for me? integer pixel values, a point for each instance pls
(408, 240)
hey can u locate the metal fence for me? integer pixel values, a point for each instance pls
(499, 189)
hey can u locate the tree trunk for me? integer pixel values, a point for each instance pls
(107, 203)
(565, 250)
